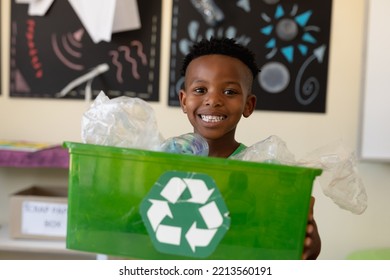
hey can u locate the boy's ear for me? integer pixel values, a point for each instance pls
(249, 105)
(182, 99)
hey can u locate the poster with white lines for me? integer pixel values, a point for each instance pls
(55, 56)
(290, 39)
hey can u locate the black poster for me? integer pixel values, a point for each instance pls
(49, 53)
(290, 40)
(1, 62)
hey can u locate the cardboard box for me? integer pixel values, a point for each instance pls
(127, 202)
(39, 213)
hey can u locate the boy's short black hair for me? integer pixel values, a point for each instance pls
(224, 46)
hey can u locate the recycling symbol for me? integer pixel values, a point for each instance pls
(185, 214)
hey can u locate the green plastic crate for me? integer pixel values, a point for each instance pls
(268, 204)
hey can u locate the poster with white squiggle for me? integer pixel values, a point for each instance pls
(289, 38)
(53, 56)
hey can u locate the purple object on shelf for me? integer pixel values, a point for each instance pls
(52, 157)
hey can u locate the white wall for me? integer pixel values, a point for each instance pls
(342, 232)
(375, 140)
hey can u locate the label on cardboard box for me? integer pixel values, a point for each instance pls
(44, 218)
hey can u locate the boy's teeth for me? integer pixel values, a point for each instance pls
(209, 118)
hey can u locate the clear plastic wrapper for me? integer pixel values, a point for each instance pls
(271, 150)
(339, 180)
(122, 122)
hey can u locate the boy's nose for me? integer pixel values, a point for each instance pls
(213, 99)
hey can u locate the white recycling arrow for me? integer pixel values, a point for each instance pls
(211, 215)
(199, 191)
(173, 189)
(198, 237)
(168, 234)
(157, 212)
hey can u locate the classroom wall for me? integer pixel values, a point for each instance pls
(342, 232)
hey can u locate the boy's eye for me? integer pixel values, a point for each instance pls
(229, 92)
(200, 90)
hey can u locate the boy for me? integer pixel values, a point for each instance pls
(217, 91)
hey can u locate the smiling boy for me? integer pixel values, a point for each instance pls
(217, 92)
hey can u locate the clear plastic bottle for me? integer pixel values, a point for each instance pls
(190, 143)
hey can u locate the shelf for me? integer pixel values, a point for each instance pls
(35, 246)
(29, 154)
(23, 155)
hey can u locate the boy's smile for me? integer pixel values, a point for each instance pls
(212, 119)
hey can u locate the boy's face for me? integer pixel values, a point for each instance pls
(217, 93)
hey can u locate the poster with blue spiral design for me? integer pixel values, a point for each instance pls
(289, 38)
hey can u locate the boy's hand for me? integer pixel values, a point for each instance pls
(312, 243)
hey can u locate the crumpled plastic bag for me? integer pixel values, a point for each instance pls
(122, 122)
(339, 180)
